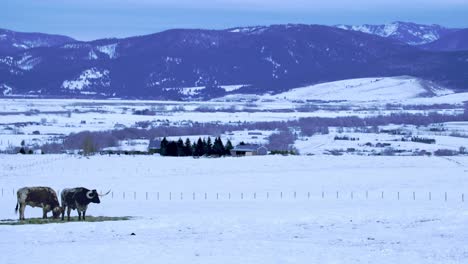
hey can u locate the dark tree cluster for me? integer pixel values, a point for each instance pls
(422, 140)
(202, 147)
(345, 138)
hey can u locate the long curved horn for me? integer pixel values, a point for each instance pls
(100, 194)
(89, 195)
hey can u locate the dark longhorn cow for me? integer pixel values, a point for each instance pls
(44, 197)
(78, 199)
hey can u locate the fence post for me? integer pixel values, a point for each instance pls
(323, 194)
(268, 195)
(170, 196)
(206, 196)
(308, 195)
(123, 195)
(112, 195)
(229, 196)
(242, 196)
(281, 195)
(382, 194)
(217, 196)
(294, 194)
(2, 192)
(445, 196)
(134, 195)
(337, 193)
(430, 196)
(193, 196)
(398, 195)
(463, 197)
(414, 196)
(367, 195)
(146, 195)
(181, 196)
(352, 196)
(157, 196)
(255, 196)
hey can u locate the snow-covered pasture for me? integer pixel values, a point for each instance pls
(369, 142)
(38, 121)
(261, 230)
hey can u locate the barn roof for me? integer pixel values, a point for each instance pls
(247, 147)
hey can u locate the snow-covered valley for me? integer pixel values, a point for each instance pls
(256, 228)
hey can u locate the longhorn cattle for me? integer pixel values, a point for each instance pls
(44, 197)
(78, 199)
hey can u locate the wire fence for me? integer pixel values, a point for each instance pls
(274, 195)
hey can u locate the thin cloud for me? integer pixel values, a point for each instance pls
(254, 4)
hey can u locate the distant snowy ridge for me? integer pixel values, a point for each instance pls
(379, 89)
(410, 33)
(11, 41)
(366, 89)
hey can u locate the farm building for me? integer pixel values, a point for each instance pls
(154, 145)
(249, 150)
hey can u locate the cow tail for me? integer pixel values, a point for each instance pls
(16, 209)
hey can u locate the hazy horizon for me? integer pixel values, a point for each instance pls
(88, 20)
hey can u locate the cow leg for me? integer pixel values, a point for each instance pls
(44, 213)
(79, 215)
(68, 213)
(63, 213)
(84, 213)
(21, 209)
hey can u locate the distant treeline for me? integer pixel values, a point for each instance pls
(95, 141)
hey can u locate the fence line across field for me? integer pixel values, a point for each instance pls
(274, 195)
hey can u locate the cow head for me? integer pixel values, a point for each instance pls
(56, 212)
(93, 196)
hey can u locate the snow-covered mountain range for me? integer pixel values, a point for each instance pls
(204, 64)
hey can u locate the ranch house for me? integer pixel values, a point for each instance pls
(249, 150)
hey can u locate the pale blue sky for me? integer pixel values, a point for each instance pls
(92, 19)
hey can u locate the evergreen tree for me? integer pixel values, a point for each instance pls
(171, 149)
(228, 147)
(163, 148)
(22, 150)
(208, 147)
(188, 148)
(194, 147)
(204, 147)
(200, 147)
(180, 148)
(218, 147)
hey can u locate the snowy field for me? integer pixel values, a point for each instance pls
(314, 208)
(256, 225)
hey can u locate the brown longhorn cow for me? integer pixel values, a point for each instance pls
(44, 197)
